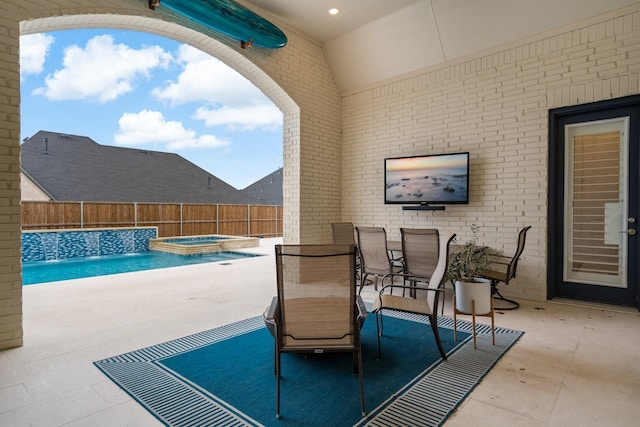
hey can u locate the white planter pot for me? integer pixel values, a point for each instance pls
(478, 291)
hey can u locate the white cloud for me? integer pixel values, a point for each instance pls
(231, 99)
(33, 52)
(151, 128)
(205, 78)
(101, 71)
(264, 117)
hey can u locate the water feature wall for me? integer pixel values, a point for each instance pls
(47, 245)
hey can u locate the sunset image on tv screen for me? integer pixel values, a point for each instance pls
(427, 179)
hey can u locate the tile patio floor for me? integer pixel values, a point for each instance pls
(576, 365)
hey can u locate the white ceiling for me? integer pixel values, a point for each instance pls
(376, 40)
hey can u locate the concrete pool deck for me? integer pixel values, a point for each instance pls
(575, 365)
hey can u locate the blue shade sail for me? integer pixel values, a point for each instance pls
(232, 19)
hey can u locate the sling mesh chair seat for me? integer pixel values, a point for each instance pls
(316, 309)
(421, 247)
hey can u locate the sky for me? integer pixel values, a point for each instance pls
(138, 90)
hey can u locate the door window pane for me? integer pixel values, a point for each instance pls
(595, 188)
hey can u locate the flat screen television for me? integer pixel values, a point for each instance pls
(434, 179)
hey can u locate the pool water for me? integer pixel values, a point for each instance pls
(76, 268)
(195, 240)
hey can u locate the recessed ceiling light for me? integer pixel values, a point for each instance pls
(334, 11)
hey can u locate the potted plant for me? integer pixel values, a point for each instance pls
(466, 265)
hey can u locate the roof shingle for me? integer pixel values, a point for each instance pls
(76, 168)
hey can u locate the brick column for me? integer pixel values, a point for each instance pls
(10, 273)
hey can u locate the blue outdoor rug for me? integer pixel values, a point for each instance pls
(225, 376)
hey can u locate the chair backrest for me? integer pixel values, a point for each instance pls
(372, 244)
(317, 296)
(343, 233)
(436, 278)
(420, 250)
(439, 275)
(513, 265)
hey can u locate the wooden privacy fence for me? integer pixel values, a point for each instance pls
(172, 219)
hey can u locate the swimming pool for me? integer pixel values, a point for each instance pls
(35, 272)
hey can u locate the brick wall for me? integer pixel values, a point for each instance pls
(495, 106)
(10, 280)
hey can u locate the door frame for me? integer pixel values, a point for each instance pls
(555, 192)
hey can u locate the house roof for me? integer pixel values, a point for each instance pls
(268, 190)
(76, 168)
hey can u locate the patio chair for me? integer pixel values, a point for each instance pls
(503, 269)
(425, 290)
(374, 255)
(344, 234)
(316, 309)
(420, 249)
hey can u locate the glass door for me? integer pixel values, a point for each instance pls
(593, 203)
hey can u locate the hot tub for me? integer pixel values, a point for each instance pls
(192, 245)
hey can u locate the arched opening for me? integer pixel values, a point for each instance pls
(113, 18)
(213, 47)
(137, 90)
(242, 61)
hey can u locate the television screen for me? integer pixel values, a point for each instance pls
(430, 179)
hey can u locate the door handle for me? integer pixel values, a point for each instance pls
(631, 231)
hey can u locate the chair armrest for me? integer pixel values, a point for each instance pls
(362, 309)
(499, 259)
(408, 277)
(405, 277)
(273, 311)
(419, 288)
